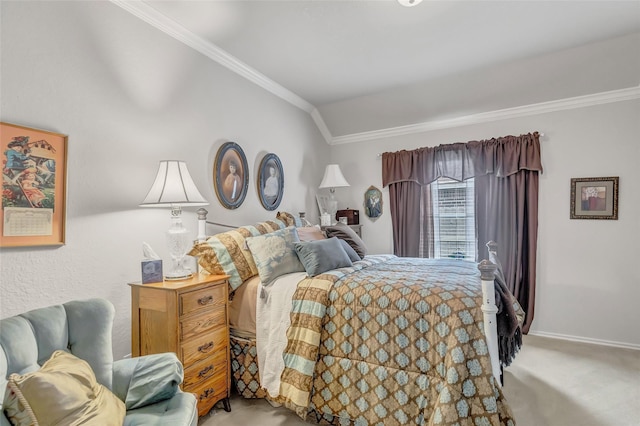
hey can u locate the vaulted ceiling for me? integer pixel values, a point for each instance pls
(366, 68)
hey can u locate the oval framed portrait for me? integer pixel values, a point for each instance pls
(270, 182)
(231, 175)
(373, 203)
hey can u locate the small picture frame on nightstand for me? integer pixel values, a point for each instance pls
(152, 271)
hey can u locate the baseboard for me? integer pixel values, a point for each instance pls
(601, 342)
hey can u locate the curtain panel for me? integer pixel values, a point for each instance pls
(506, 173)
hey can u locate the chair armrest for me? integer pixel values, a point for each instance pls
(147, 379)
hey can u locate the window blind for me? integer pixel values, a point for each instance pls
(454, 234)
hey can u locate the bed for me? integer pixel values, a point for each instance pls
(376, 340)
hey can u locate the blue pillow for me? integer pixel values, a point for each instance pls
(274, 254)
(322, 255)
(349, 250)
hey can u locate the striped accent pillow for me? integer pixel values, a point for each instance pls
(227, 253)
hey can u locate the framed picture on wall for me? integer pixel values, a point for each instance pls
(231, 175)
(373, 202)
(270, 182)
(594, 198)
(33, 186)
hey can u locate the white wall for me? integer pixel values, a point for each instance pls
(588, 283)
(128, 96)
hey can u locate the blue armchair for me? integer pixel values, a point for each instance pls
(149, 385)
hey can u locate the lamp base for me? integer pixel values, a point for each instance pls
(178, 275)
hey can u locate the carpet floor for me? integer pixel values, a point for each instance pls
(551, 383)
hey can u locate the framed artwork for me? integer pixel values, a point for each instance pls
(594, 198)
(323, 203)
(231, 175)
(34, 170)
(373, 202)
(270, 182)
(152, 271)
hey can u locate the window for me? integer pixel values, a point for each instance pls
(453, 210)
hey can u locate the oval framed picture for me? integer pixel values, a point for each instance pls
(231, 175)
(270, 182)
(373, 203)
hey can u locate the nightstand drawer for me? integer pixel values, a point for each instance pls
(206, 369)
(202, 299)
(209, 392)
(203, 323)
(202, 347)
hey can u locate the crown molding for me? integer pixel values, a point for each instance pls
(210, 50)
(170, 27)
(324, 130)
(502, 114)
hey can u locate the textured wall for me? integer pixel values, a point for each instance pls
(128, 96)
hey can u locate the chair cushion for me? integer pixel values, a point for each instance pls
(179, 410)
(63, 391)
(145, 380)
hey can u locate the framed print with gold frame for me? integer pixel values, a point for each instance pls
(34, 170)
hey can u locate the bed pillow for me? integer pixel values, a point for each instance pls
(227, 253)
(310, 233)
(63, 391)
(274, 254)
(344, 232)
(353, 256)
(321, 256)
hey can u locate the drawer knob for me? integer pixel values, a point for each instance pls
(207, 371)
(206, 394)
(205, 300)
(206, 347)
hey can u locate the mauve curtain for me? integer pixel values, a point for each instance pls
(506, 180)
(405, 218)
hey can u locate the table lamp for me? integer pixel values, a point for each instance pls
(333, 179)
(174, 188)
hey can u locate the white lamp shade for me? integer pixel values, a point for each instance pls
(173, 187)
(333, 177)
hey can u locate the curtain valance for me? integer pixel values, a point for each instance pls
(460, 161)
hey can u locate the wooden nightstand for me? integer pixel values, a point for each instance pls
(190, 318)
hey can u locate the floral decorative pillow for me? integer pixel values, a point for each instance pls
(274, 254)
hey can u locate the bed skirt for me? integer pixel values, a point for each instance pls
(244, 366)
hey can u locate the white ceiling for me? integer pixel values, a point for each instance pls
(370, 65)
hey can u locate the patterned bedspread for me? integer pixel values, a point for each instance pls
(392, 341)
